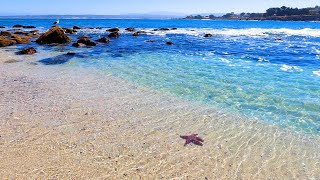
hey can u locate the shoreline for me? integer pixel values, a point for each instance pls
(58, 122)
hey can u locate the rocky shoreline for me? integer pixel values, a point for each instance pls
(61, 36)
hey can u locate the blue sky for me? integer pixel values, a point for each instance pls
(116, 7)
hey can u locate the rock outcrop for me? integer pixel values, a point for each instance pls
(5, 33)
(6, 42)
(208, 35)
(20, 39)
(55, 35)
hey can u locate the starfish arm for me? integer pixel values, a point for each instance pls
(184, 137)
(197, 143)
(199, 139)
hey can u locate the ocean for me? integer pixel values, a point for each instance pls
(263, 70)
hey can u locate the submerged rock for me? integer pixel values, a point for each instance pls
(169, 43)
(61, 59)
(208, 35)
(2, 27)
(103, 40)
(55, 35)
(113, 35)
(27, 51)
(6, 42)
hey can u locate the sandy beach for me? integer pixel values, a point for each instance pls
(61, 122)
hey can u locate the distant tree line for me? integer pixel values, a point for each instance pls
(271, 12)
(286, 11)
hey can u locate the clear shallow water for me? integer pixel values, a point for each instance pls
(266, 70)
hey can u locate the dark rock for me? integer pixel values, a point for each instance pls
(18, 26)
(2, 27)
(78, 45)
(136, 34)
(150, 41)
(54, 35)
(69, 31)
(21, 32)
(76, 27)
(6, 42)
(71, 53)
(74, 31)
(113, 35)
(5, 33)
(208, 35)
(87, 42)
(169, 43)
(27, 51)
(98, 27)
(103, 40)
(29, 27)
(164, 29)
(174, 28)
(114, 30)
(130, 29)
(34, 31)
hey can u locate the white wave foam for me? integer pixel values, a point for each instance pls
(250, 32)
(291, 68)
(316, 73)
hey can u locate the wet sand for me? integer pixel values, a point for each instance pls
(61, 122)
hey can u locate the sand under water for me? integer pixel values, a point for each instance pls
(60, 122)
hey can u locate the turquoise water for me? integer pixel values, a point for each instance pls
(259, 69)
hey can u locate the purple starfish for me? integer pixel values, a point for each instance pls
(193, 138)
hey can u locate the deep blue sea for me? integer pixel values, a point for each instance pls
(267, 70)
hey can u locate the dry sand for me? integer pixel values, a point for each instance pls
(60, 122)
